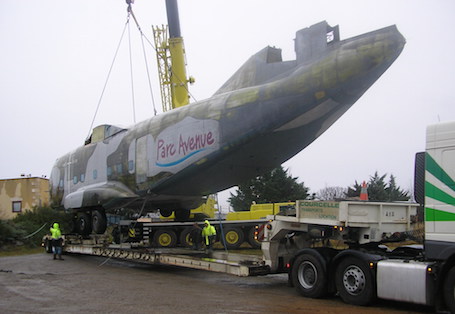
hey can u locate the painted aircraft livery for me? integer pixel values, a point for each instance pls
(267, 112)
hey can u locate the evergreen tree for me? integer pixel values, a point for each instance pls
(394, 192)
(376, 188)
(379, 190)
(355, 190)
(273, 187)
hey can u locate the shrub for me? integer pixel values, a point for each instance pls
(29, 227)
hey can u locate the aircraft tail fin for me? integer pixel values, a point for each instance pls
(259, 68)
(267, 64)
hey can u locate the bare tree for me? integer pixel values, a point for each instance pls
(331, 193)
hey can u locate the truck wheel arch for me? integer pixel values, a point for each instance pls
(355, 281)
(308, 274)
(338, 258)
(324, 255)
(366, 257)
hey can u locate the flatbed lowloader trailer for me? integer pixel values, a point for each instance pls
(286, 240)
(218, 261)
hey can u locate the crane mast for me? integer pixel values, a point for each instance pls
(170, 53)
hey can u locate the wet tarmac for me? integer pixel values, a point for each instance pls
(38, 284)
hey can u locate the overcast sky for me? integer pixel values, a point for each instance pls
(56, 54)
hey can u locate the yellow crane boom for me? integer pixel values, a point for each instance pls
(170, 53)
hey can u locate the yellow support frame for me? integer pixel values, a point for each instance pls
(170, 55)
(160, 35)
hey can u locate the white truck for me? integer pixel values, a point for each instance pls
(331, 247)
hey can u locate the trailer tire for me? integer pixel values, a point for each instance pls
(355, 282)
(233, 237)
(165, 238)
(255, 244)
(83, 224)
(449, 290)
(185, 237)
(99, 221)
(309, 276)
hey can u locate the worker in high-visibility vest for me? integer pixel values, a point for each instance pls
(57, 241)
(208, 234)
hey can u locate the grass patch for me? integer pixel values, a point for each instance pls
(20, 250)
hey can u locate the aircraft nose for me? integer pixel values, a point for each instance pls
(387, 45)
(362, 60)
(397, 38)
(377, 48)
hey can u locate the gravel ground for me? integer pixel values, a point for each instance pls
(37, 284)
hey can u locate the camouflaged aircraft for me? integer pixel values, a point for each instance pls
(267, 112)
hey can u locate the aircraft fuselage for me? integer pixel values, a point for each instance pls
(266, 113)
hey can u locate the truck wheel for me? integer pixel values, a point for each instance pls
(355, 282)
(309, 276)
(83, 224)
(185, 237)
(233, 237)
(449, 290)
(165, 238)
(99, 221)
(255, 244)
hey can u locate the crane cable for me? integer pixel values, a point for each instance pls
(131, 73)
(130, 14)
(107, 78)
(130, 11)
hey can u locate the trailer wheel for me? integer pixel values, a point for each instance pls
(449, 290)
(309, 276)
(185, 237)
(165, 238)
(233, 237)
(99, 221)
(83, 224)
(255, 244)
(355, 282)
